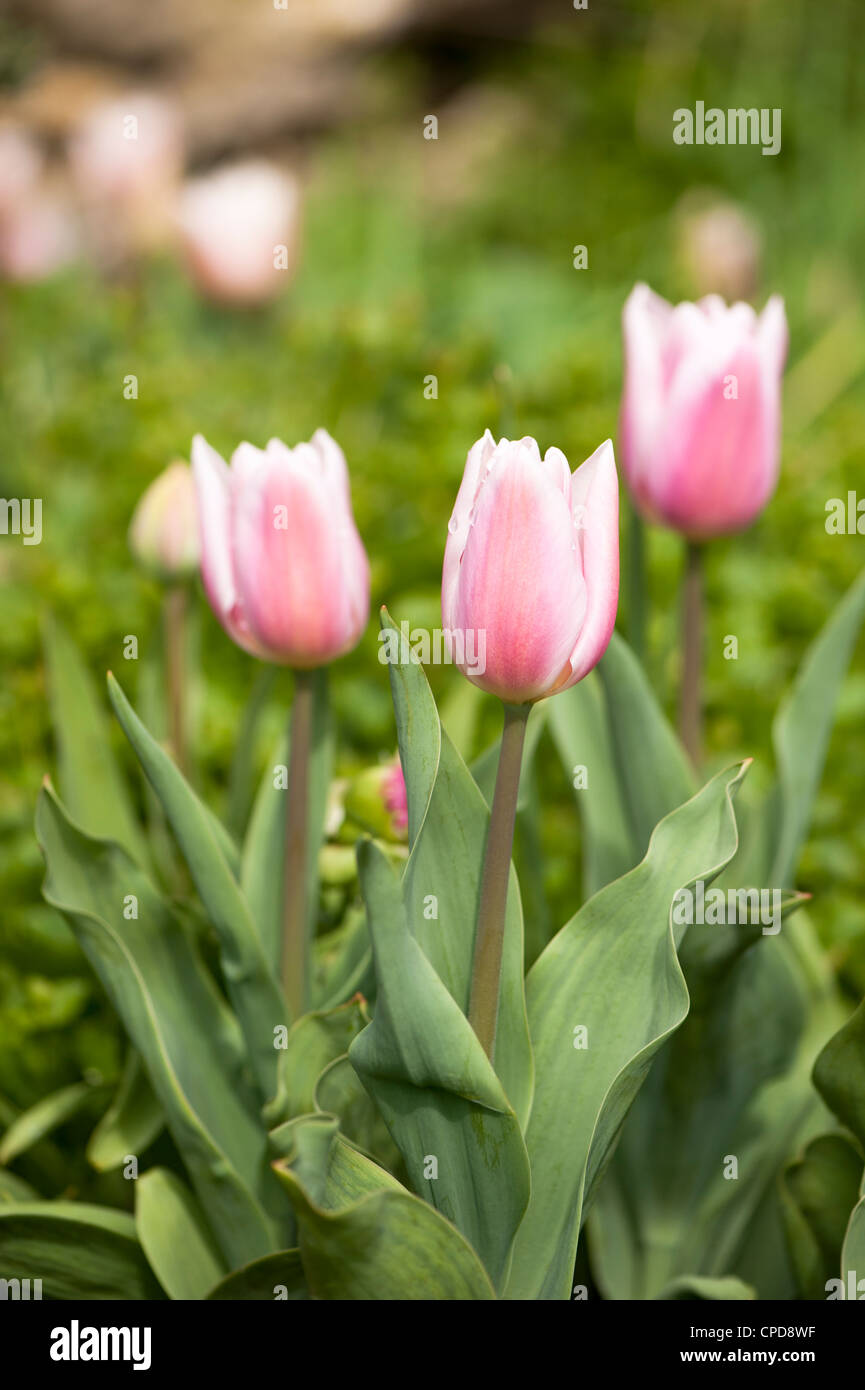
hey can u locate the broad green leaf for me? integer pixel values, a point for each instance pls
(313, 1042)
(132, 1121)
(613, 971)
(45, 1116)
(261, 874)
(88, 775)
(241, 777)
(853, 1253)
(695, 1287)
(342, 962)
(654, 773)
(820, 1190)
(174, 1236)
(441, 1100)
(581, 733)
(273, 1278)
(177, 1022)
(77, 1250)
(250, 980)
(332, 1170)
(730, 1087)
(839, 1074)
(381, 1244)
(803, 725)
(448, 824)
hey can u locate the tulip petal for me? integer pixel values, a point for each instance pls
(519, 579)
(595, 496)
(293, 549)
(719, 444)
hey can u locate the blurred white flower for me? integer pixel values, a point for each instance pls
(239, 229)
(126, 159)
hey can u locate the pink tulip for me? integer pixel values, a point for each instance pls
(239, 231)
(282, 562)
(163, 533)
(532, 562)
(126, 158)
(701, 410)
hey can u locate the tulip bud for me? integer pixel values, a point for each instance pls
(239, 231)
(163, 533)
(701, 410)
(532, 562)
(377, 800)
(720, 247)
(283, 565)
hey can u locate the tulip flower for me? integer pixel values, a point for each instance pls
(286, 574)
(126, 158)
(163, 537)
(239, 231)
(532, 563)
(700, 432)
(37, 231)
(283, 566)
(701, 410)
(163, 533)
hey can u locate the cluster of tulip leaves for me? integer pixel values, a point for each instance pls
(369, 1149)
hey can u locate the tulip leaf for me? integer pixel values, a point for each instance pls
(853, 1253)
(448, 824)
(726, 1102)
(79, 1251)
(46, 1115)
(277, 1277)
(839, 1074)
(696, 1287)
(602, 998)
(174, 1236)
(362, 1235)
(250, 980)
(313, 1042)
(175, 1019)
(89, 775)
(820, 1190)
(803, 726)
(441, 1099)
(241, 777)
(261, 873)
(132, 1121)
(581, 733)
(654, 773)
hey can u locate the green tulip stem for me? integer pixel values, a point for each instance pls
(176, 600)
(489, 936)
(295, 965)
(690, 716)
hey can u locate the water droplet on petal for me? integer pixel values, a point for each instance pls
(453, 524)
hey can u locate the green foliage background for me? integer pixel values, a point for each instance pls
(452, 257)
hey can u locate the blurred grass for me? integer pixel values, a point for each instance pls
(454, 258)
